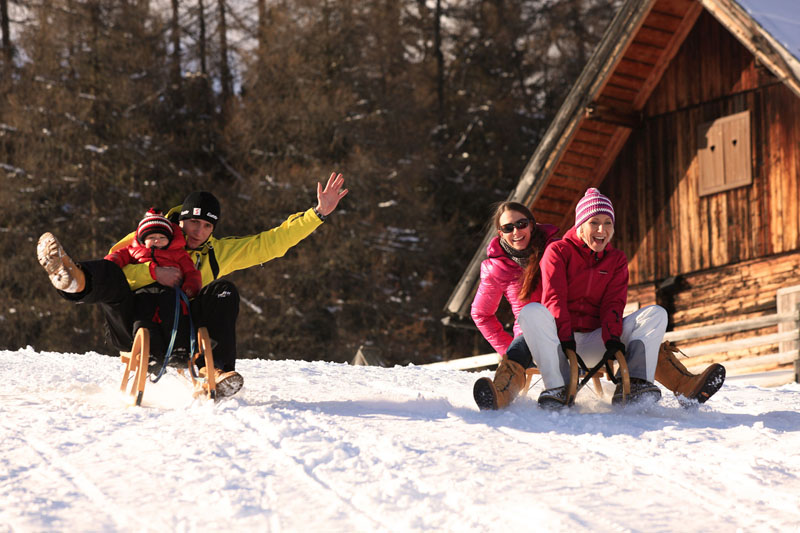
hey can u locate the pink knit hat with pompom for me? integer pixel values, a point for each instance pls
(593, 203)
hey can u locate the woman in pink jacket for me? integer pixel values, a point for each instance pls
(511, 270)
(519, 245)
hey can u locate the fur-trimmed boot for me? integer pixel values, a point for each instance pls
(64, 274)
(671, 373)
(509, 379)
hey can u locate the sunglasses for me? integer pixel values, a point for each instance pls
(519, 224)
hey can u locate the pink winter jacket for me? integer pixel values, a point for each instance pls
(500, 276)
(582, 289)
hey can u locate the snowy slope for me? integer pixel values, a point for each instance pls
(329, 447)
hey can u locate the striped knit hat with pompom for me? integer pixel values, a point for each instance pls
(593, 203)
(153, 222)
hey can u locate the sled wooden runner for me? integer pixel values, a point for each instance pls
(574, 367)
(137, 360)
(207, 386)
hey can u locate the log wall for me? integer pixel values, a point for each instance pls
(730, 293)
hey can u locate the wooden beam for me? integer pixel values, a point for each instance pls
(589, 84)
(730, 327)
(609, 115)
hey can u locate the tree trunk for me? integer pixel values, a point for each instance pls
(175, 31)
(94, 59)
(201, 44)
(175, 81)
(225, 71)
(5, 25)
(437, 51)
(262, 29)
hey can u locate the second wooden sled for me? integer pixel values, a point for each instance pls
(573, 386)
(137, 360)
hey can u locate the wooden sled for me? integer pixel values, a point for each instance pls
(573, 386)
(137, 360)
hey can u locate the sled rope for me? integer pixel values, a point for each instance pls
(179, 296)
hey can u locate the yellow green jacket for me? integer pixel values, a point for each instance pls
(231, 253)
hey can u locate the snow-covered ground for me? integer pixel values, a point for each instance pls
(331, 447)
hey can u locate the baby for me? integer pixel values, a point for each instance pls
(160, 243)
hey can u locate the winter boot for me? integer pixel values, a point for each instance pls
(554, 398)
(227, 383)
(641, 390)
(671, 373)
(509, 379)
(64, 274)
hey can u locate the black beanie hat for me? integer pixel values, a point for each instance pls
(153, 222)
(202, 205)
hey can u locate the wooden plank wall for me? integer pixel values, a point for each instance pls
(733, 292)
(664, 227)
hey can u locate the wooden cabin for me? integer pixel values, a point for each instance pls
(688, 117)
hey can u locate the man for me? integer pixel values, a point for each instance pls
(217, 305)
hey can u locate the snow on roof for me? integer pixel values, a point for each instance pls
(780, 18)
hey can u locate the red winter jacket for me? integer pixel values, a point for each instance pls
(500, 276)
(582, 289)
(173, 255)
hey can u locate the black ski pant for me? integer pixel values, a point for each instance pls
(519, 352)
(216, 307)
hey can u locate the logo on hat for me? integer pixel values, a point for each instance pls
(202, 205)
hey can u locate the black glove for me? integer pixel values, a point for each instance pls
(612, 347)
(568, 345)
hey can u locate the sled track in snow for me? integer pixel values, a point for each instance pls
(104, 506)
(258, 437)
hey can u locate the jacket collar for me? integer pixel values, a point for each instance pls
(205, 247)
(583, 249)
